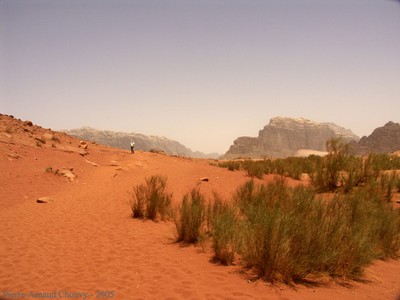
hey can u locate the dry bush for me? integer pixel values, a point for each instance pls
(151, 200)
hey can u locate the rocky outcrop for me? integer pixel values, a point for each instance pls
(385, 139)
(284, 137)
(142, 142)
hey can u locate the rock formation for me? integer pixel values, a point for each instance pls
(284, 137)
(385, 139)
(142, 142)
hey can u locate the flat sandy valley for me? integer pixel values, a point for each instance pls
(84, 244)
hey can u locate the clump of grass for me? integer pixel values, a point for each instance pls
(231, 165)
(388, 183)
(190, 219)
(254, 169)
(138, 201)
(151, 200)
(224, 230)
(273, 237)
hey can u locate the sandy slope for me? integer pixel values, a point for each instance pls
(86, 242)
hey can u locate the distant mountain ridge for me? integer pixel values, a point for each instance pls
(142, 142)
(385, 139)
(284, 137)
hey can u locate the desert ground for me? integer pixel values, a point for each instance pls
(84, 244)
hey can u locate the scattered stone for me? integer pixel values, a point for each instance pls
(13, 155)
(28, 123)
(83, 152)
(158, 151)
(113, 163)
(83, 145)
(40, 140)
(7, 135)
(70, 149)
(44, 200)
(92, 163)
(206, 179)
(69, 174)
(48, 136)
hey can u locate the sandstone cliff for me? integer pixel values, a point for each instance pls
(284, 137)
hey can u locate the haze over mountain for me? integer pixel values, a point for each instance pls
(199, 72)
(142, 142)
(284, 137)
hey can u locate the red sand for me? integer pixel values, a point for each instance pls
(86, 241)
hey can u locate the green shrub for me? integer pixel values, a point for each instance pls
(287, 234)
(151, 200)
(231, 165)
(274, 238)
(254, 168)
(388, 182)
(224, 230)
(190, 220)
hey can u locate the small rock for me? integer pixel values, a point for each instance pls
(48, 136)
(44, 200)
(7, 135)
(158, 151)
(83, 145)
(69, 174)
(206, 179)
(13, 155)
(28, 123)
(113, 163)
(83, 152)
(92, 163)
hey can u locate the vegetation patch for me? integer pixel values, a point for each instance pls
(190, 217)
(151, 200)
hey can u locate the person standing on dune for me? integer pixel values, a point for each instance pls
(132, 146)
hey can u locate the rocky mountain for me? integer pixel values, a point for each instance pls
(142, 142)
(385, 139)
(284, 137)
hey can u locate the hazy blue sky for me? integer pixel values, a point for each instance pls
(200, 72)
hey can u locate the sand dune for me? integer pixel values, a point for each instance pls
(85, 245)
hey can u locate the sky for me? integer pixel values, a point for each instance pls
(200, 72)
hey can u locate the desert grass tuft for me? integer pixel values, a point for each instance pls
(224, 229)
(191, 217)
(151, 200)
